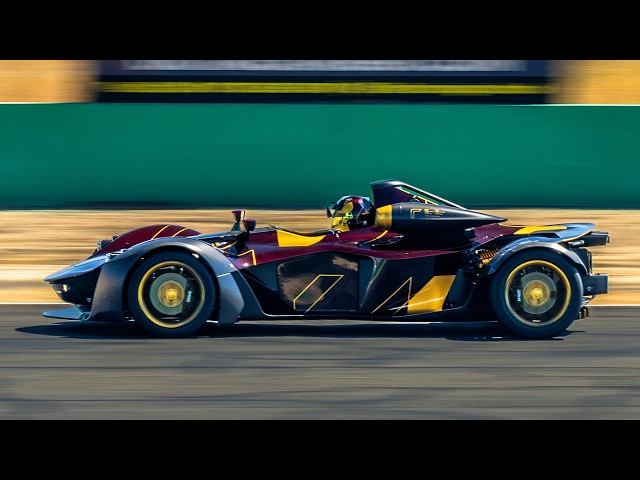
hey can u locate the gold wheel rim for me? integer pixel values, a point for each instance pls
(538, 293)
(170, 294)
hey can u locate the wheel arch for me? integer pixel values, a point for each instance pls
(520, 246)
(110, 298)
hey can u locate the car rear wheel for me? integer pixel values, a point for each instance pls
(537, 294)
(171, 294)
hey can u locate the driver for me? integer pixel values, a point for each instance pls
(351, 212)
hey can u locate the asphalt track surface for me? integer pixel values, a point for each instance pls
(58, 370)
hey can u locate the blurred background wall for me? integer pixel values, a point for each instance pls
(203, 132)
(71, 81)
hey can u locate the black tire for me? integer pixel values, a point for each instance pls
(536, 294)
(171, 294)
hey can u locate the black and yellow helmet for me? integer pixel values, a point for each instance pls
(351, 212)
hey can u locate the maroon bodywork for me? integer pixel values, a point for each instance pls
(423, 258)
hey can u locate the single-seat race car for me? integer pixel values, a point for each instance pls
(401, 255)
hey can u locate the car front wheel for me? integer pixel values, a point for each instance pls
(537, 294)
(171, 294)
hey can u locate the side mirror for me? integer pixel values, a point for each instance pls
(249, 224)
(238, 215)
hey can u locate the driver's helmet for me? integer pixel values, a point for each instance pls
(351, 212)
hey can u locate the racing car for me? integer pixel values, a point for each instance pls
(401, 254)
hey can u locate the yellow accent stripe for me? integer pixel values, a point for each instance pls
(384, 232)
(431, 297)
(318, 87)
(326, 291)
(541, 228)
(288, 239)
(253, 255)
(409, 280)
(323, 293)
(178, 232)
(159, 231)
(415, 195)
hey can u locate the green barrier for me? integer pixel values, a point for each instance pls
(299, 155)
